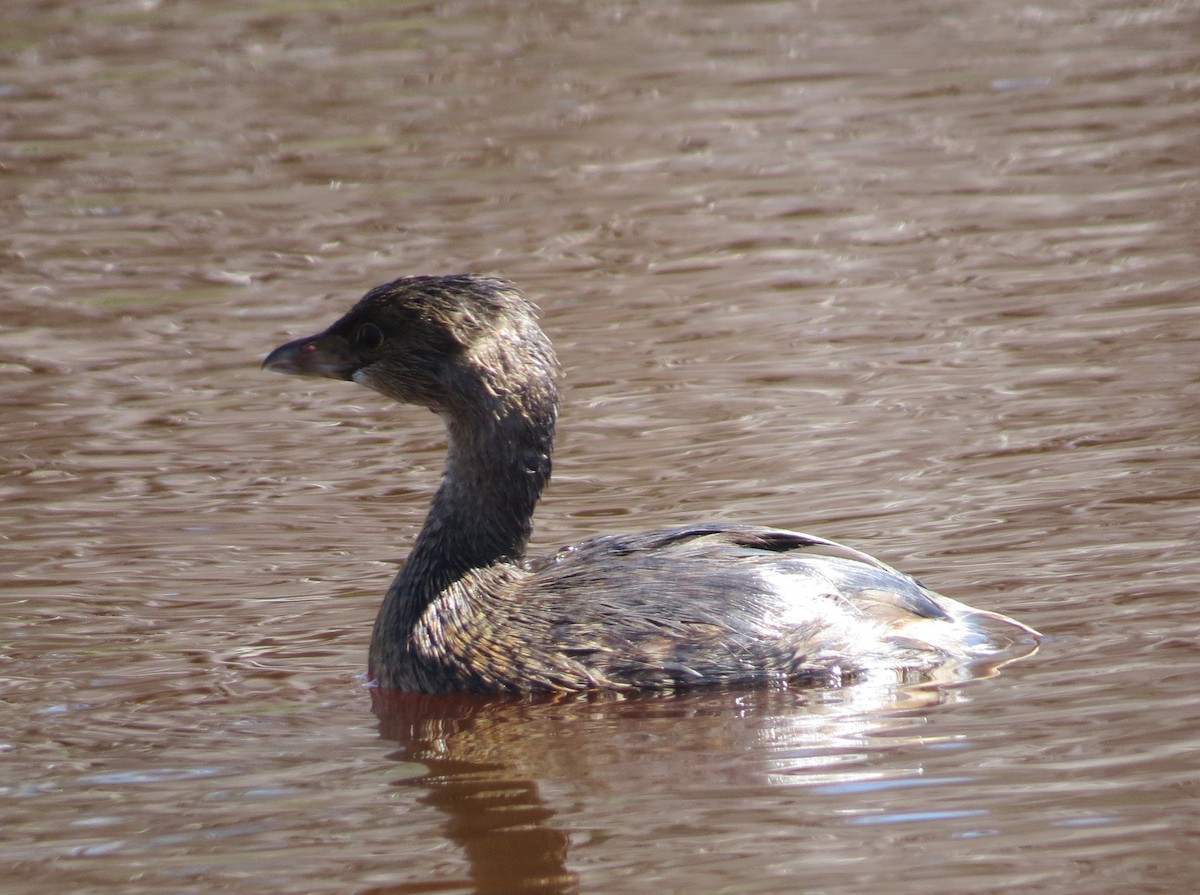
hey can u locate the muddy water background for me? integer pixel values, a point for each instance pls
(918, 276)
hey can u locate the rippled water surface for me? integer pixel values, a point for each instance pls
(921, 277)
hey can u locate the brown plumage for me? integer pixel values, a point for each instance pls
(704, 604)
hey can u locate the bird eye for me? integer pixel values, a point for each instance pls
(369, 336)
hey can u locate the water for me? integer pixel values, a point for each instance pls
(918, 277)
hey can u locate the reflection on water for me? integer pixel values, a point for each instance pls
(920, 278)
(485, 757)
(496, 816)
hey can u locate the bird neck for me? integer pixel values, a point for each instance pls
(500, 404)
(496, 468)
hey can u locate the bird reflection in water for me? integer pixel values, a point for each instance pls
(489, 759)
(494, 814)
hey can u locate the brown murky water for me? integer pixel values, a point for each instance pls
(918, 276)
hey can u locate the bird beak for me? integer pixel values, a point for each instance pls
(321, 355)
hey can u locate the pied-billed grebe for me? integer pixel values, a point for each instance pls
(704, 604)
